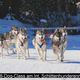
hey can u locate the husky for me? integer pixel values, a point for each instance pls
(22, 44)
(59, 42)
(40, 44)
(7, 40)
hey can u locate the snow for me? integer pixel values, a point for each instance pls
(10, 63)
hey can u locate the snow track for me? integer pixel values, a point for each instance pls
(71, 64)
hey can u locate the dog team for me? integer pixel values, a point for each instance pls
(19, 38)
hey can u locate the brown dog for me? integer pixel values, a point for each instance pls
(59, 43)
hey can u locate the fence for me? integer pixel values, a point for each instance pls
(71, 30)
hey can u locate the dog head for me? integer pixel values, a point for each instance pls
(40, 34)
(14, 30)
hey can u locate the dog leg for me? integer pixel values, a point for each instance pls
(18, 53)
(62, 57)
(43, 54)
(24, 53)
(13, 51)
(7, 51)
(56, 54)
(39, 52)
(27, 51)
(63, 48)
(1, 54)
(62, 52)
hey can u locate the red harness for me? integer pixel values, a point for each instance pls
(43, 41)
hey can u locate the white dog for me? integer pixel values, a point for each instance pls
(40, 44)
(22, 44)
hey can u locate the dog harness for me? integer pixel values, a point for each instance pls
(40, 40)
(40, 45)
(43, 42)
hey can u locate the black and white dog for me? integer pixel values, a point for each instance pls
(7, 40)
(59, 42)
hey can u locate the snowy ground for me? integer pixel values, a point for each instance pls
(71, 64)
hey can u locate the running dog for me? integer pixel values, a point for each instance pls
(7, 40)
(59, 42)
(40, 44)
(22, 44)
(63, 45)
